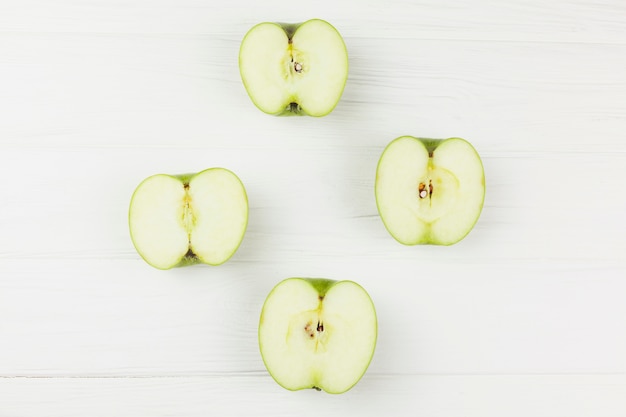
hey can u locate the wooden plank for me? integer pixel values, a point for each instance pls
(525, 317)
(312, 204)
(105, 318)
(560, 20)
(102, 91)
(241, 395)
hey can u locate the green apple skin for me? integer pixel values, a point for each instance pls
(431, 145)
(190, 258)
(322, 286)
(293, 108)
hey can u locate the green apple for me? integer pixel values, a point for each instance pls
(429, 190)
(178, 220)
(317, 333)
(294, 68)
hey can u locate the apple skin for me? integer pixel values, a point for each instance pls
(431, 145)
(190, 258)
(322, 286)
(294, 109)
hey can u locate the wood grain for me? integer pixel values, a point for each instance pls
(526, 316)
(240, 395)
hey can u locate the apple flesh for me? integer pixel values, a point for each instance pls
(294, 68)
(187, 219)
(429, 191)
(317, 333)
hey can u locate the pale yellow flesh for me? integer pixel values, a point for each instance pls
(221, 215)
(297, 355)
(208, 217)
(267, 59)
(155, 217)
(445, 217)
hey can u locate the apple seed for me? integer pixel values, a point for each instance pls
(422, 190)
(309, 330)
(298, 67)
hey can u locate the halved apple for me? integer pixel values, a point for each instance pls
(317, 333)
(429, 190)
(178, 220)
(294, 68)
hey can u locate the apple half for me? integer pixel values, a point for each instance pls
(429, 191)
(294, 68)
(179, 220)
(317, 333)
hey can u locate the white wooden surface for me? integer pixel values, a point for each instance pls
(525, 317)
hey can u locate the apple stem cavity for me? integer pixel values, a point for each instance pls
(294, 108)
(190, 256)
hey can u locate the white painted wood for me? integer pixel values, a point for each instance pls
(93, 317)
(246, 394)
(526, 316)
